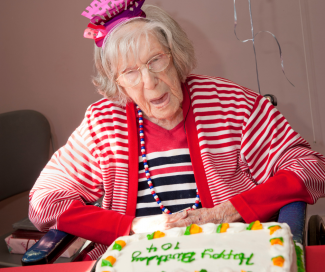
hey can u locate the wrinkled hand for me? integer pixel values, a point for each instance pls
(222, 213)
(155, 222)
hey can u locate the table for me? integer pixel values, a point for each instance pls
(315, 258)
(315, 262)
(62, 267)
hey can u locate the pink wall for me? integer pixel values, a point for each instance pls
(46, 65)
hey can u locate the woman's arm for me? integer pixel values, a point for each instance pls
(71, 179)
(266, 199)
(281, 163)
(94, 223)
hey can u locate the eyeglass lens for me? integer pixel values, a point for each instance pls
(156, 64)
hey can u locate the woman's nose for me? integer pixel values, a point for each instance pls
(149, 79)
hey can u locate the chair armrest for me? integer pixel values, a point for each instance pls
(49, 248)
(294, 214)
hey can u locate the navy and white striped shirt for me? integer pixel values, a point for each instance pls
(170, 169)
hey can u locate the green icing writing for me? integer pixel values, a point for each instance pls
(152, 248)
(150, 236)
(106, 263)
(187, 231)
(299, 254)
(117, 247)
(250, 225)
(187, 257)
(166, 246)
(219, 228)
(227, 256)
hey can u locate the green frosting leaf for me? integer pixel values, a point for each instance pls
(117, 247)
(106, 263)
(219, 228)
(203, 270)
(187, 231)
(150, 236)
(250, 225)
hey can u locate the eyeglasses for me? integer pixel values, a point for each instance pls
(157, 64)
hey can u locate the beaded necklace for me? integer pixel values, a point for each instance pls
(146, 169)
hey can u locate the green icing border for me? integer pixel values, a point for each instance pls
(300, 263)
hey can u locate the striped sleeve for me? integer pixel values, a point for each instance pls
(73, 173)
(269, 144)
(281, 163)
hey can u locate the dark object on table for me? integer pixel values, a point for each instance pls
(28, 234)
(316, 231)
(49, 248)
(24, 224)
(52, 245)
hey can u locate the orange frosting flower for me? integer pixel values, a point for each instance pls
(158, 234)
(257, 225)
(278, 261)
(195, 229)
(274, 229)
(276, 241)
(224, 227)
(121, 243)
(111, 259)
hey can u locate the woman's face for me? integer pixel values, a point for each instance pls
(159, 95)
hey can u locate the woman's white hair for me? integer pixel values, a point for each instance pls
(120, 44)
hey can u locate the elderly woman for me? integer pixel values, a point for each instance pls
(160, 135)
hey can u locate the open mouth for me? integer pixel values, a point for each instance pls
(161, 101)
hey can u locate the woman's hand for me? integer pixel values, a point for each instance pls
(224, 212)
(155, 222)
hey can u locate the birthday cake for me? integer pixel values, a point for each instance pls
(226, 247)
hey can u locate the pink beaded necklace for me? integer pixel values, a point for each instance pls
(146, 169)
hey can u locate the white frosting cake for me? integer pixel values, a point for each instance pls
(263, 248)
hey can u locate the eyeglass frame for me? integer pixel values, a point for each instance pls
(146, 64)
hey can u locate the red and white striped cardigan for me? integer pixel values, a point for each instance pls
(242, 149)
